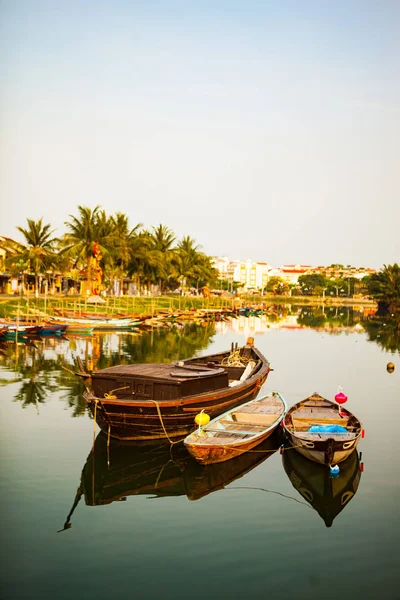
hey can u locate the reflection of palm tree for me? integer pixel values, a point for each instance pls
(168, 345)
(31, 391)
(384, 331)
(40, 374)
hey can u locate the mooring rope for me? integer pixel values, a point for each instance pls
(172, 442)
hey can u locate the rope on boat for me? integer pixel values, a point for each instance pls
(172, 442)
(94, 420)
(235, 359)
(111, 396)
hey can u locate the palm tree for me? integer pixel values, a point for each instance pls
(39, 250)
(163, 239)
(123, 237)
(384, 286)
(145, 262)
(91, 231)
(191, 266)
(83, 232)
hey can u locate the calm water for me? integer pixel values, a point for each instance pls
(154, 524)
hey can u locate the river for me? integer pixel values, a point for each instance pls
(147, 522)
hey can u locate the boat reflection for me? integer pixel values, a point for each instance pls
(327, 495)
(157, 470)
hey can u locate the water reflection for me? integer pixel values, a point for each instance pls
(328, 496)
(115, 472)
(385, 332)
(43, 365)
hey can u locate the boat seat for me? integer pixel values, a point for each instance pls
(231, 431)
(261, 419)
(309, 435)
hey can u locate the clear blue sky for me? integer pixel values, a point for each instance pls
(265, 130)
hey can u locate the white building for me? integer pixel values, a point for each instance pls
(248, 274)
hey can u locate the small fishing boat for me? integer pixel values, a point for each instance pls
(326, 494)
(14, 331)
(236, 431)
(103, 324)
(53, 329)
(322, 430)
(152, 401)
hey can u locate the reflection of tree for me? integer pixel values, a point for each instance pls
(384, 331)
(310, 317)
(45, 368)
(31, 392)
(168, 345)
(331, 318)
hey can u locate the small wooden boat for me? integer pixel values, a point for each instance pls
(327, 448)
(14, 331)
(327, 495)
(103, 324)
(152, 401)
(237, 431)
(53, 329)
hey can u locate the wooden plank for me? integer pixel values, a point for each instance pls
(256, 418)
(308, 435)
(304, 424)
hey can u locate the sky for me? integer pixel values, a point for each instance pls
(265, 130)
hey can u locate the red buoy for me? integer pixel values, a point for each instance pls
(341, 398)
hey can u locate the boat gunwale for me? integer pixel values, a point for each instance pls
(260, 373)
(256, 435)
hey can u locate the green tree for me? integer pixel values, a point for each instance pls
(121, 248)
(384, 287)
(277, 285)
(39, 252)
(308, 283)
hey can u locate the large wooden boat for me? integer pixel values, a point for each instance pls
(325, 448)
(237, 431)
(327, 495)
(153, 401)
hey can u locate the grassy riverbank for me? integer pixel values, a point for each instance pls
(11, 307)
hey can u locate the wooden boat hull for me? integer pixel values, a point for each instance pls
(138, 420)
(237, 431)
(53, 329)
(325, 453)
(325, 449)
(216, 454)
(150, 419)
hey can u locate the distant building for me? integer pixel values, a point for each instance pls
(291, 273)
(248, 274)
(252, 275)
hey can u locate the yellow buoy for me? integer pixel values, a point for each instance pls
(202, 419)
(390, 367)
